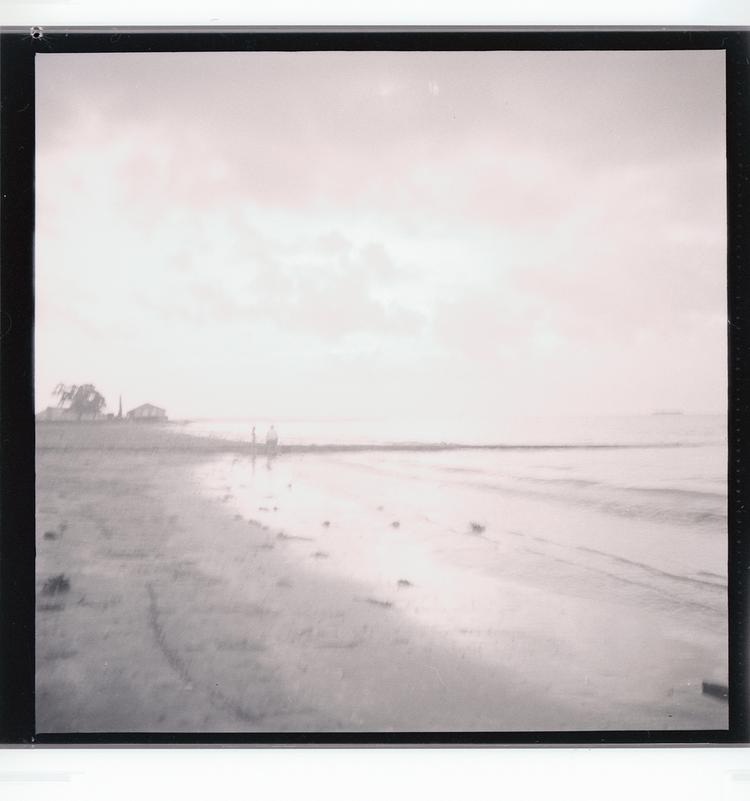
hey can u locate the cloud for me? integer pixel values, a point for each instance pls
(403, 227)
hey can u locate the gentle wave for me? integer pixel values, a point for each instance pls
(690, 507)
(624, 501)
(674, 493)
(683, 506)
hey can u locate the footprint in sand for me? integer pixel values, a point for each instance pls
(395, 524)
(239, 645)
(326, 523)
(53, 656)
(404, 583)
(320, 555)
(345, 644)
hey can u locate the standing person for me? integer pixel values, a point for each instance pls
(253, 441)
(272, 441)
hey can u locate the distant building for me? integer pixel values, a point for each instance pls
(147, 412)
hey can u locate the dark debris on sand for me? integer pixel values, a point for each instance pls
(376, 602)
(56, 584)
(53, 534)
(716, 690)
(282, 536)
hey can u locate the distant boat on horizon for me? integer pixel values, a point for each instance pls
(667, 412)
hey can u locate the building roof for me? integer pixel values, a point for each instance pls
(144, 406)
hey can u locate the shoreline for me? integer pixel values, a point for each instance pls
(187, 612)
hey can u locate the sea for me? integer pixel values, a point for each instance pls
(658, 469)
(670, 467)
(578, 532)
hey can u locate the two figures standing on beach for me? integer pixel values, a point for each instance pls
(272, 441)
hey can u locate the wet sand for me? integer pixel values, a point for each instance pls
(185, 614)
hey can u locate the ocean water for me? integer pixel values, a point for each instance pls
(614, 556)
(654, 498)
(662, 468)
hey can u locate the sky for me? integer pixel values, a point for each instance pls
(392, 235)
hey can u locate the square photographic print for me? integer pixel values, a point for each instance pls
(381, 391)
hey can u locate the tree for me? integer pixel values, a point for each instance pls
(82, 400)
(66, 394)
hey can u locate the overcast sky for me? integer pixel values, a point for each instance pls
(383, 234)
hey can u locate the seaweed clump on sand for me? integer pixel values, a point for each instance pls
(55, 585)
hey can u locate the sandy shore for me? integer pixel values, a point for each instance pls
(186, 613)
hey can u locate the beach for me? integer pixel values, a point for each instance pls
(350, 589)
